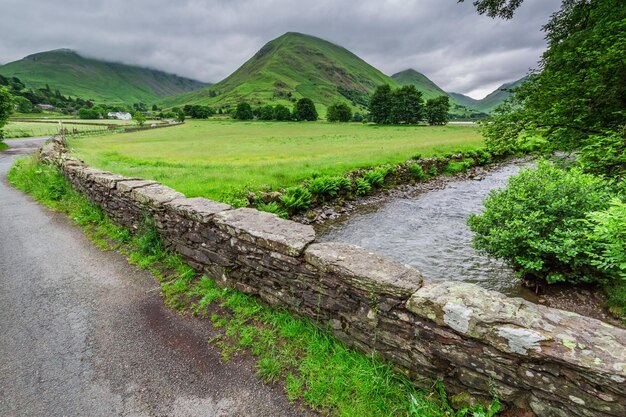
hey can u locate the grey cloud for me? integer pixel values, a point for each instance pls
(207, 40)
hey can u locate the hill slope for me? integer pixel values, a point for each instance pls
(492, 100)
(290, 67)
(100, 81)
(411, 77)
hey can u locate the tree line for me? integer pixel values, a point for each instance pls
(405, 105)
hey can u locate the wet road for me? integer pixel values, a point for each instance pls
(84, 334)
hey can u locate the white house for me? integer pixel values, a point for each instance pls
(120, 115)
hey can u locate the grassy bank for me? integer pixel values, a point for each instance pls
(15, 129)
(3, 146)
(309, 363)
(213, 158)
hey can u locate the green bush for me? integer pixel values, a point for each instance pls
(605, 154)
(609, 236)
(273, 207)
(538, 223)
(454, 167)
(376, 177)
(362, 187)
(296, 199)
(417, 171)
(328, 185)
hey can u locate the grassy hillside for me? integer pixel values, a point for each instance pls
(101, 81)
(290, 67)
(411, 77)
(492, 100)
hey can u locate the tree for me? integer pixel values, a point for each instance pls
(406, 105)
(497, 8)
(139, 118)
(281, 113)
(437, 110)
(87, 113)
(243, 112)
(266, 112)
(6, 107)
(22, 104)
(305, 110)
(580, 91)
(380, 105)
(180, 116)
(339, 112)
(155, 107)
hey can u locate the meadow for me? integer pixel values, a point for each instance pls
(15, 129)
(215, 158)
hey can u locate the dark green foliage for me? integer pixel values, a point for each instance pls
(328, 186)
(358, 117)
(266, 112)
(454, 167)
(605, 155)
(198, 111)
(22, 104)
(281, 113)
(417, 171)
(580, 92)
(180, 116)
(376, 177)
(407, 105)
(273, 207)
(339, 112)
(296, 199)
(91, 113)
(6, 107)
(609, 237)
(537, 224)
(437, 110)
(139, 118)
(363, 187)
(497, 8)
(243, 112)
(380, 105)
(305, 110)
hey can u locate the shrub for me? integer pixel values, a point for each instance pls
(376, 177)
(243, 112)
(362, 187)
(327, 185)
(272, 207)
(609, 236)
(339, 112)
(417, 171)
(460, 166)
(296, 199)
(266, 112)
(305, 110)
(604, 154)
(281, 113)
(537, 223)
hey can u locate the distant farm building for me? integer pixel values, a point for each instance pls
(120, 115)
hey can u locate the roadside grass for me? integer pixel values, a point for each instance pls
(3, 146)
(309, 362)
(218, 158)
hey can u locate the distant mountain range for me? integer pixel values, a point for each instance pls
(285, 69)
(101, 81)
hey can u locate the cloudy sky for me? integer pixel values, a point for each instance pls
(208, 39)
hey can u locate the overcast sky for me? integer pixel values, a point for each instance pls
(207, 40)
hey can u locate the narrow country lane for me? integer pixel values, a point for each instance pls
(82, 333)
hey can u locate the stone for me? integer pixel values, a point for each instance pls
(266, 230)
(129, 185)
(155, 194)
(109, 180)
(199, 209)
(364, 269)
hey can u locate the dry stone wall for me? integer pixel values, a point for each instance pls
(477, 341)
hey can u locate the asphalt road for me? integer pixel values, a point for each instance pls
(82, 333)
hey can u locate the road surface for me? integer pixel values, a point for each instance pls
(82, 333)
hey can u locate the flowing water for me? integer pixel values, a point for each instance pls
(430, 233)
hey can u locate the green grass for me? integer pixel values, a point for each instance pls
(214, 158)
(3, 146)
(27, 129)
(103, 82)
(309, 362)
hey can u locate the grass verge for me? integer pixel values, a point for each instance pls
(3, 146)
(312, 365)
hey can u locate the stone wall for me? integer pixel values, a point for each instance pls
(555, 362)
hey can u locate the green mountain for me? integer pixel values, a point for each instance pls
(290, 67)
(492, 100)
(411, 77)
(101, 81)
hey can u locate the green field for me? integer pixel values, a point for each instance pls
(26, 129)
(214, 158)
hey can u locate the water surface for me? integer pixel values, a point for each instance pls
(430, 232)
